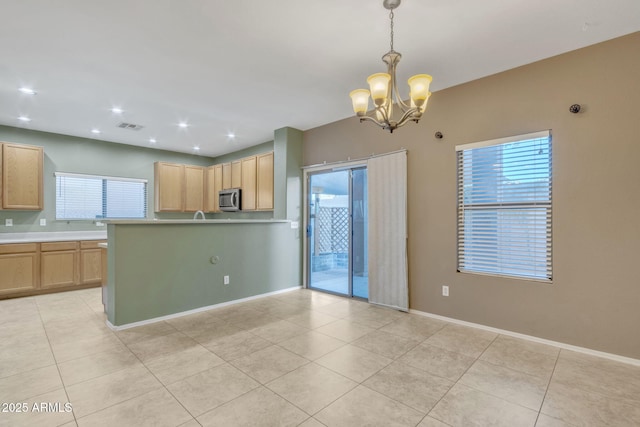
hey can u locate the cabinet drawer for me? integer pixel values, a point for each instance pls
(91, 244)
(17, 248)
(58, 246)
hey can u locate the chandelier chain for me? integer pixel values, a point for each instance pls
(391, 18)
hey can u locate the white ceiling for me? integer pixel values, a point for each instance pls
(253, 66)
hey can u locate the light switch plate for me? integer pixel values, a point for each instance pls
(8, 222)
(43, 222)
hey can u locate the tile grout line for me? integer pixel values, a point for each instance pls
(548, 385)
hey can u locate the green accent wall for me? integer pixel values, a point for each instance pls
(161, 269)
(89, 156)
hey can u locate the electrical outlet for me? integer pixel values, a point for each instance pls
(445, 291)
(43, 222)
(8, 222)
(226, 280)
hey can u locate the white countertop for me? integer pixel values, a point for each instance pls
(194, 221)
(52, 236)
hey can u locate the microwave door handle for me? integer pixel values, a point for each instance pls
(235, 199)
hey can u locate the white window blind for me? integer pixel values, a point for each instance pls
(504, 206)
(99, 197)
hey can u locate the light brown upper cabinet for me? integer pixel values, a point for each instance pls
(21, 176)
(169, 187)
(193, 188)
(236, 174)
(210, 193)
(226, 176)
(264, 171)
(249, 184)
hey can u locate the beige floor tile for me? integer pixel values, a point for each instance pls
(512, 386)
(547, 421)
(312, 422)
(162, 345)
(414, 327)
(311, 387)
(269, 363)
(438, 361)
(312, 345)
(234, 313)
(154, 409)
(532, 346)
(239, 344)
(432, 422)
(173, 367)
(461, 339)
(363, 406)
(23, 340)
(212, 332)
(375, 317)
(193, 321)
(344, 330)
(342, 308)
(98, 393)
(30, 383)
(385, 344)
(64, 330)
(354, 362)
(282, 310)
(579, 407)
(38, 416)
(96, 365)
(145, 332)
(463, 406)
(191, 423)
(312, 319)
(278, 331)
(413, 387)
(514, 355)
(593, 374)
(256, 321)
(76, 349)
(210, 389)
(265, 409)
(25, 360)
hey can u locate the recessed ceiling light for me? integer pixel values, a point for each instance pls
(27, 90)
(24, 119)
(96, 131)
(196, 148)
(183, 125)
(116, 110)
(231, 135)
(152, 140)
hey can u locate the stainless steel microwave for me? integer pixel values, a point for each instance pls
(229, 200)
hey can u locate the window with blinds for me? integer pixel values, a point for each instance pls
(99, 197)
(504, 206)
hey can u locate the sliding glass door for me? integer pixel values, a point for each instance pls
(337, 232)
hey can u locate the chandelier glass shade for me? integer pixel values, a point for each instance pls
(384, 92)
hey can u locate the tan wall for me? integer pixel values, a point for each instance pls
(594, 300)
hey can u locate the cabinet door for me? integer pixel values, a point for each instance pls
(193, 188)
(21, 177)
(58, 268)
(217, 187)
(90, 266)
(210, 193)
(226, 176)
(18, 272)
(169, 185)
(265, 182)
(249, 184)
(236, 174)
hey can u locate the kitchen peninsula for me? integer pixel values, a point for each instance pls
(160, 268)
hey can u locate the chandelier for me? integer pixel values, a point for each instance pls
(383, 90)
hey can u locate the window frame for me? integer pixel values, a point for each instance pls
(501, 207)
(103, 194)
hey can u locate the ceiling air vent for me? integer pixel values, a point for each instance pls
(130, 126)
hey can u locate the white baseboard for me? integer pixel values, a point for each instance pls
(196, 310)
(610, 356)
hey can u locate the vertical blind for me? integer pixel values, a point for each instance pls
(99, 197)
(504, 206)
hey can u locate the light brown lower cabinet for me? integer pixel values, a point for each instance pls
(19, 267)
(58, 264)
(34, 268)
